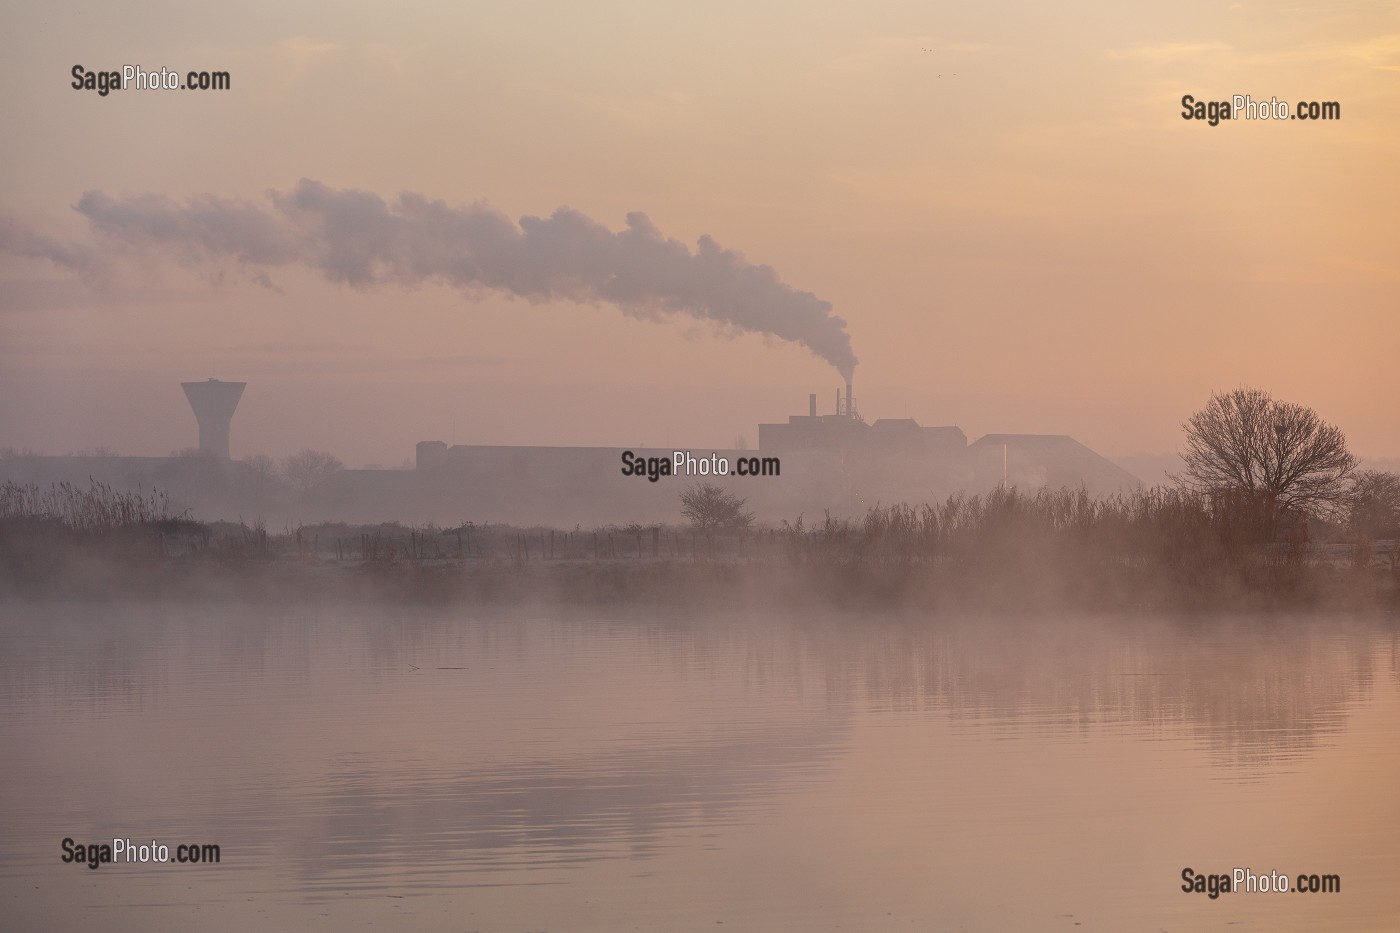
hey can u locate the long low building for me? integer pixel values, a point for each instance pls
(811, 466)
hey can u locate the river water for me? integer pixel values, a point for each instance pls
(364, 767)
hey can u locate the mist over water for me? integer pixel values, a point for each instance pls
(458, 768)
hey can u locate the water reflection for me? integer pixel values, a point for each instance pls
(628, 803)
(371, 752)
(1256, 694)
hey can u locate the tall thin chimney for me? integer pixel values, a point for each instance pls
(812, 404)
(850, 412)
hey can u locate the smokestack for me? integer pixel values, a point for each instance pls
(214, 403)
(812, 404)
(850, 412)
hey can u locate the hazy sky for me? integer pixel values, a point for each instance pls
(1001, 200)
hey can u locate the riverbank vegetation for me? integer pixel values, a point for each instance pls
(1163, 547)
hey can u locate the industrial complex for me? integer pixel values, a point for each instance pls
(813, 464)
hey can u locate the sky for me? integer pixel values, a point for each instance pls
(1001, 201)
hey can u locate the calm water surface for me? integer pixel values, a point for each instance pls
(376, 768)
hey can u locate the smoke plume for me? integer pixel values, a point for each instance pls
(19, 240)
(358, 238)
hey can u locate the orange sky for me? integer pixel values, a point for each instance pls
(1018, 226)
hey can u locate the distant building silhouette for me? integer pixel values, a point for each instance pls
(214, 403)
(833, 464)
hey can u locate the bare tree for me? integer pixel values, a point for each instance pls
(1246, 443)
(1373, 503)
(309, 468)
(709, 508)
(260, 475)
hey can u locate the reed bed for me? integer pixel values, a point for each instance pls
(99, 508)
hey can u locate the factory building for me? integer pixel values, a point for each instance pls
(845, 431)
(835, 462)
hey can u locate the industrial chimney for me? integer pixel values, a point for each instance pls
(213, 403)
(850, 412)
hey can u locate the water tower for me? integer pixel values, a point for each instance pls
(213, 403)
